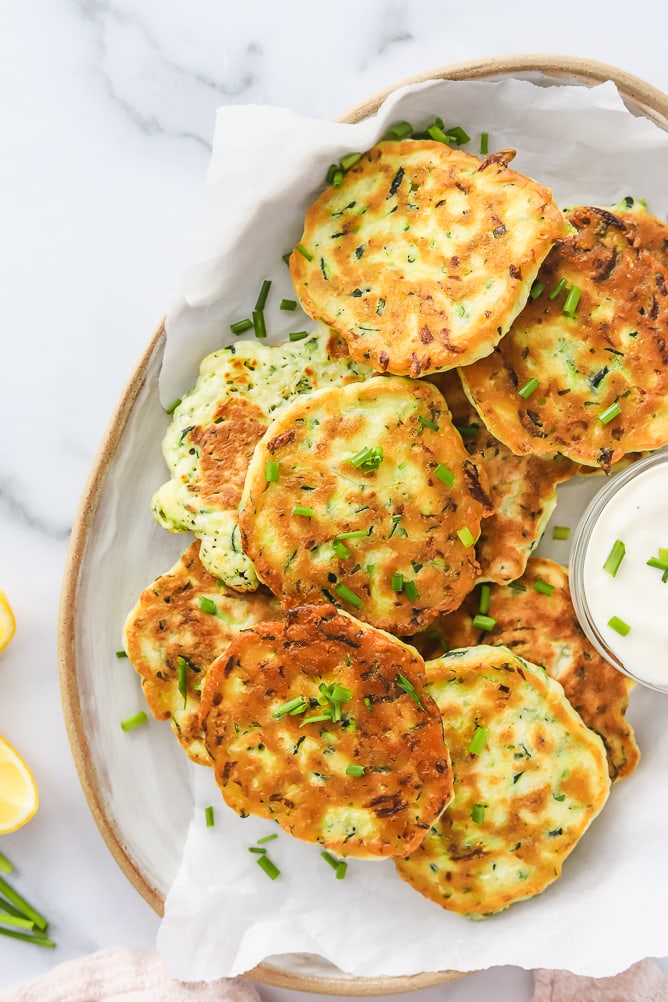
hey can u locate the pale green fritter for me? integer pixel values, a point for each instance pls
(216, 426)
(529, 779)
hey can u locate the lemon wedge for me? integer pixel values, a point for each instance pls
(7, 621)
(18, 791)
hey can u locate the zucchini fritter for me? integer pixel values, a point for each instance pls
(215, 428)
(544, 629)
(180, 624)
(372, 487)
(601, 369)
(320, 723)
(424, 255)
(529, 779)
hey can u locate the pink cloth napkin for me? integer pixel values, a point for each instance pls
(125, 976)
(643, 982)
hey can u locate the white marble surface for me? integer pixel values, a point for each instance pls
(107, 112)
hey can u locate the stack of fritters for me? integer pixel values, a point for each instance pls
(364, 504)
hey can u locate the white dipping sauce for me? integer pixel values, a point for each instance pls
(636, 514)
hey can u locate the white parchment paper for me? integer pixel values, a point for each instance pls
(222, 914)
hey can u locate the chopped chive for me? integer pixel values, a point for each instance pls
(485, 592)
(543, 587)
(241, 325)
(286, 257)
(267, 838)
(172, 407)
(561, 532)
(208, 816)
(269, 868)
(571, 301)
(478, 740)
(300, 509)
(517, 586)
(615, 558)
(257, 850)
(484, 143)
(337, 177)
(327, 856)
(355, 770)
(445, 475)
(400, 130)
(348, 596)
(298, 335)
(410, 689)
(397, 582)
(264, 292)
(610, 413)
(288, 304)
(182, 672)
(663, 554)
(467, 430)
(478, 814)
(27, 937)
(664, 576)
(537, 289)
(466, 536)
(316, 718)
(206, 604)
(367, 459)
(6, 865)
(661, 564)
(529, 387)
(340, 549)
(427, 423)
(121, 654)
(271, 471)
(482, 622)
(619, 626)
(437, 134)
(23, 906)
(302, 250)
(340, 693)
(355, 534)
(350, 160)
(411, 591)
(259, 324)
(137, 720)
(457, 136)
(561, 284)
(341, 868)
(367, 702)
(297, 704)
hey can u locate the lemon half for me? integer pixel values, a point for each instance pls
(18, 791)
(7, 621)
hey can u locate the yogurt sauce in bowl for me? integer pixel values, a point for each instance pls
(622, 600)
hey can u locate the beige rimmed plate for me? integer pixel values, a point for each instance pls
(137, 785)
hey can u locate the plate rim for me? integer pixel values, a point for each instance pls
(652, 103)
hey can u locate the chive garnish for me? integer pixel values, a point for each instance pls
(350, 160)
(478, 814)
(172, 407)
(288, 304)
(23, 906)
(327, 856)
(271, 471)
(445, 475)
(300, 509)
(241, 325)
(208, 816)
(340, 549)
(354, 534)
(427, 423)
(367, 459)
(259, 324)
(543, 587)
(267, 838)
(296, 705)
(437, 133)
(517, 586)
(610, 413)
(269, 868)
(571, 301)
(529, 387)
(466, 536)
(137, 720)
(262, 296)
(344, 592)
(316, 718)
(286, 257)
(355, 770)
(6, 865)
(121, 654)
(207, 605)
(536, 289)
(182, 671)
(258, 850)
(341, 869)
(661, 564)
(411, 591)
(615, 558)
(478, 740)
(298, 335)
(561, 284)
(663, 554)
(410, 689)
(561, 532)
(397, 582)
(400, 130)
(619, 626)
(484, 143)
(485, 592)
(302, 250)
(482, 622)
(467, 430)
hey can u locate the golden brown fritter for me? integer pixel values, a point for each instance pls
(601, 374)
(529, 780)
(320, 723)
(180, 624)
(377, 535)
(424, 255)
(545, 630)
